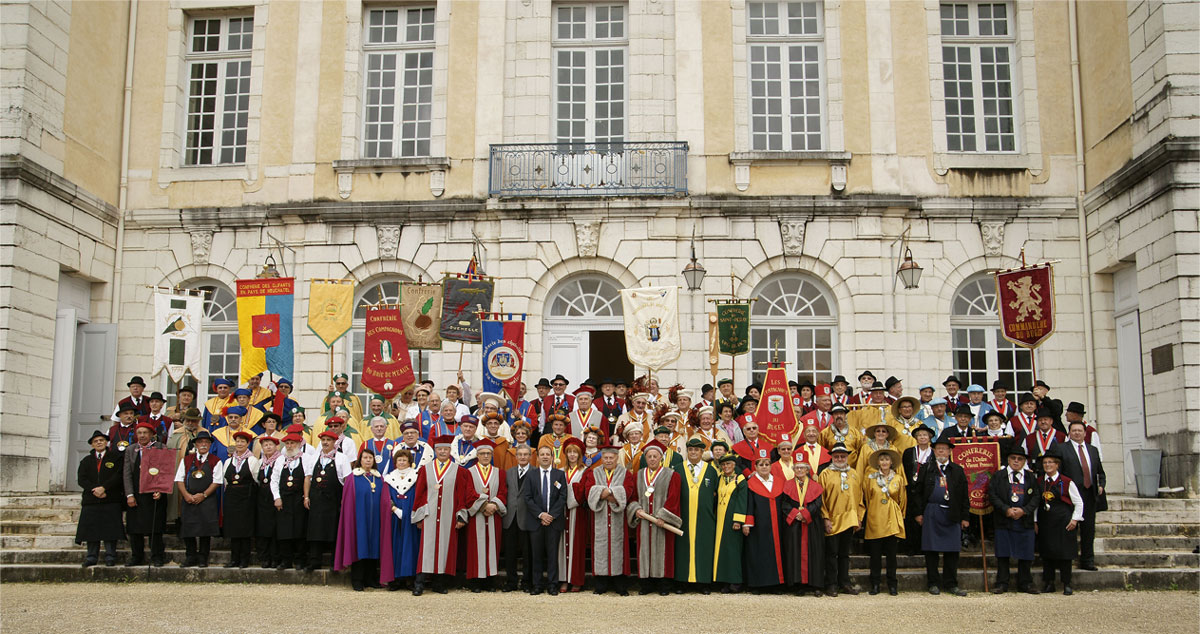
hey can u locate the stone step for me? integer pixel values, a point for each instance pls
(17, 514)
(1152, 517)
(1143, 544)
(1121, 530)
(32, 527)
(49, 500)
(1126, 503)
(910, 580)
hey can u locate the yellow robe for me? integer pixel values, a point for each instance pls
(260, 394)
(904, 438)
(253, 417)
(842, 506)
(631, 456)
(354, 424)
(351, 402)
(224, 435)
(886, 516)
(853, 441)
(863, 417)
(863, 465)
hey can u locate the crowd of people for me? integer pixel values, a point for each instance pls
(620, 480)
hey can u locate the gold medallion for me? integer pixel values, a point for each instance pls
(153, 470)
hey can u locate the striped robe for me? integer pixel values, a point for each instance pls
(435, 507)
(656, 546)
(610, 543)
(481, 532)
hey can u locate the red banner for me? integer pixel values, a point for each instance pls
(157, 471)
(387, 367)
(979, 460)
(1026, 304)
(775, 416)
(266, 330)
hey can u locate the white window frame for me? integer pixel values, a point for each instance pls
(375, 292)
(1028, 153)
(591, 45)
(402, 48)
(220, 150)
(784, 42)
(173, 140)
(792, 323)
(975, 44)
(984, 317)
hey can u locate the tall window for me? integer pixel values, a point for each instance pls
(977, 68)
(787, 51)
(590, 53)
(220, 348)
(218, 60)
(380, 293)
(795, 317)
(981, 353)
(399, 98)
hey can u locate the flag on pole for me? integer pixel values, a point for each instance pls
(775, 417)
(651, 325)
(503, 355)
(330, 309)
(177, 319)
(1026, 302)
(387, 366)
(463, 297)
(421, 310)
(264, 309)
(733, 324)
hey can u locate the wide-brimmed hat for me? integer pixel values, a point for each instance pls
(873, 460)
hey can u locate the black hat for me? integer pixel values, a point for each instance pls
(621, 382)
(942, 440)
(203, 434)
(838, 448)
(963, 409)
(704, 389)
(992, 413)
(1025, 398)
(922, 427)
(891, 380)
(1046, 412)
(1055, 451)
(838, 407)
(866, 373)
(137, 380)
(607, 380)
(187, 388)
(543, 382)
(999, 385)
(839, 379)
(97, 434)
(157, 396)
(126, 406)
(878, 387)
(1040, 383)
(952, 379)
(1018, 450)
(272, 416)
(793, 384)
(808, 384)
(1076, 408)
(559, 377)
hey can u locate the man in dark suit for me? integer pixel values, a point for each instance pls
(545, 505)
(945, 512)
(1015, 493)
(99, 476)
(1081, 465)
(962, 427)
(518, 523)
(556, 400)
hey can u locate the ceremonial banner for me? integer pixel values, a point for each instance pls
(177, 321)
(979, 460)
(421, 310)
(1026, 303)
(157, 471)
(462, 300)
(651, 325)
(387, 366)
(775, 417)
(733, 322)
(264, 310)
(714, 345)
(503, 356)
(330, 309)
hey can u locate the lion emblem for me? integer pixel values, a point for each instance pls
(1029, 298)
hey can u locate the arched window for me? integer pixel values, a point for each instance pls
(981, 353)
(220, 349)
(796, 316)
(388, 292)
(587, 297)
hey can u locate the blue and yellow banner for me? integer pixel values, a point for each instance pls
(264, 308)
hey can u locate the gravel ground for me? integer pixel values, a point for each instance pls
(81, 607)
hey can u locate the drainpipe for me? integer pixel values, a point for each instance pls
(1084, 267)
(123, 195)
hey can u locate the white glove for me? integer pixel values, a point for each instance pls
(399, 512)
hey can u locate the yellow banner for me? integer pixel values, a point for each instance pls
(330, 309)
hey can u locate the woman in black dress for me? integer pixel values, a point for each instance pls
(240, 499)
(1058, 516)
(264, 507)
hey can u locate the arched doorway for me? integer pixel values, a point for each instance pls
(583, 334)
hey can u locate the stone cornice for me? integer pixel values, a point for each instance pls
(1140, 168)
(26, 170)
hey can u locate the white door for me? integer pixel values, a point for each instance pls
(95, 375)
(566, 354)
(63, 376)
(1129, 378)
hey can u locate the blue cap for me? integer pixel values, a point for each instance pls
(937, 401)
(236, 410)
(284, 382)
(217, 382)
(975, 387)
(927, 387)
(241, 391)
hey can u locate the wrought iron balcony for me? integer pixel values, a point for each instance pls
(588, 169)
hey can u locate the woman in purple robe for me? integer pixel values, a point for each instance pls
(365, 527)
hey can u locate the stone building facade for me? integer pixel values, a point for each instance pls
(577, 148)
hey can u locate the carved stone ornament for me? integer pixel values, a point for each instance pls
(201, 246)
(1112, 239)
(389, 241)
(792, 232)
(993, 237)
(345, 182)
(587, 237)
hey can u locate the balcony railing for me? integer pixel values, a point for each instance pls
(588, 169)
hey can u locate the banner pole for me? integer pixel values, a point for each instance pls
(461, 346)
(983, 554)
(331, 359)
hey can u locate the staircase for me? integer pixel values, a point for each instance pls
(1141, 544)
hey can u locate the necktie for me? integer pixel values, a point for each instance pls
(546, 488)
(1087, 473)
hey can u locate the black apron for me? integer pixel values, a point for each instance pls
(239, 500)
(149, 517)
(292, 519)
(324, 503)
(203, 519)
(1054, 541)
(264, 506)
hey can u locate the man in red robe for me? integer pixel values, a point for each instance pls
(486, 507)
(608, 488)
(442, 490)
(658, 497)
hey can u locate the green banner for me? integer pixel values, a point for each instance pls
(733, 328)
